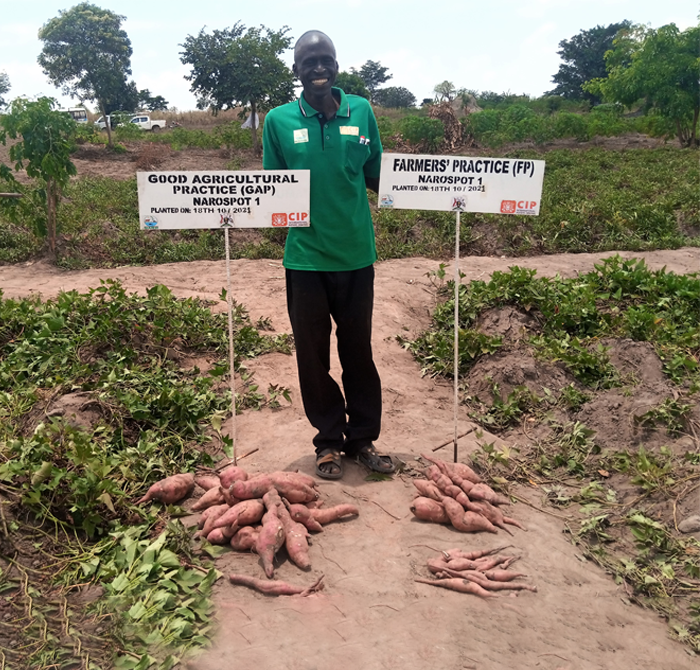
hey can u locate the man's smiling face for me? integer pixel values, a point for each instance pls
(315, 65)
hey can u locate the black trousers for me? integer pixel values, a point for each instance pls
(313, 298)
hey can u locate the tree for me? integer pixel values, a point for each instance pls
(232, 68)
(123, 98)
(395, 96)
(87, 53)
(4, 87)
(353, 84)
(584, 59)
(660, 68)
(152, 103)
(43, 150)
(374, 74)
(445, 91)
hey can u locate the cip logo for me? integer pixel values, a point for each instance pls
(507, 206)
(279, 220)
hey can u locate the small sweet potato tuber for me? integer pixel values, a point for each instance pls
(427, 489)
(428, 509)
(449, 554)
(244, 539)
(232, 474)
(170, 489)
(503, 575)
(292, 478)
(302, 514)
(269, 540)
(243, 513)
(213, 512)
(485, 492)
(207, 482)
(295, 539)
(210, 498)
(467, 522)
(276, 587)
(461, 585)
(460, 469)
(491, 512)
(328, 514)
(217, 536)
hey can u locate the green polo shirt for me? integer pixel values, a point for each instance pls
(297, 137)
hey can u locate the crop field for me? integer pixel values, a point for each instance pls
(579, 378)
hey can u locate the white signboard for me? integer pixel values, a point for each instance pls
(223, 199)
(461, 183)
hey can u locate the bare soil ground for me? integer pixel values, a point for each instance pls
(372, 614)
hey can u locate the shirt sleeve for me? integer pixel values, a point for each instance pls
(374, 162)
(273, 158)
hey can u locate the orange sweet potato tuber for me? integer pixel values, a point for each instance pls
(428, 509)
(302, 514)
(467, 522)
(461, 585)
(427, 489)
(217, 536)
(269, 540)
(207, 482)
(170, 489)
(214, 512)
(212, 497)
(460, 469)
(232, 474)
(292, 477)
(276, 587)
(295, 539)
(328, 514)
(244, 539)
(491, 512)
(485, 492)
(243, 513)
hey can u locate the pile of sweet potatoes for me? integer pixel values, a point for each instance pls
(453, 493)
(478, 572)
(260, 513)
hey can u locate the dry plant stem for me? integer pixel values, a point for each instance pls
(540, 509)
(451, 440)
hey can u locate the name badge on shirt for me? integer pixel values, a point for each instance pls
(301, 135)
(349, 130)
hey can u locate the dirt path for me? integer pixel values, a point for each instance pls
(372, 615)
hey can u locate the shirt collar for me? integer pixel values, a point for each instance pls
(343, 109)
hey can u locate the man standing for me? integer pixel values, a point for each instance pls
(329, 265)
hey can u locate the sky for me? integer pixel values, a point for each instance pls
(496, 45)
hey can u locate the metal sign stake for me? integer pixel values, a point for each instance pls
(456, 336)
(229, 302)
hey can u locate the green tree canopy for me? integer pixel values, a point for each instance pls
(395, 96)
(660, 69)
(86, 53)
(584, 59)
(374, 74)
(445, 91)
(152, 103)
(234, 67)
(4, 87)
(353, 84)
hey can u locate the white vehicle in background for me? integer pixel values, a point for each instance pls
(78, 114)
(100, 123)
(145, 122)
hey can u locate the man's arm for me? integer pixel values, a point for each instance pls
(372, 183)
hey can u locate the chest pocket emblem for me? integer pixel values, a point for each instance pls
(301, 135)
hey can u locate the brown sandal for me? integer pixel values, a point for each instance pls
(333, 462)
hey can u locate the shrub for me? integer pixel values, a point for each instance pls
(424, 134)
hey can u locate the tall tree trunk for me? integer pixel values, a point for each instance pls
(253, 129)
(51, 201)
